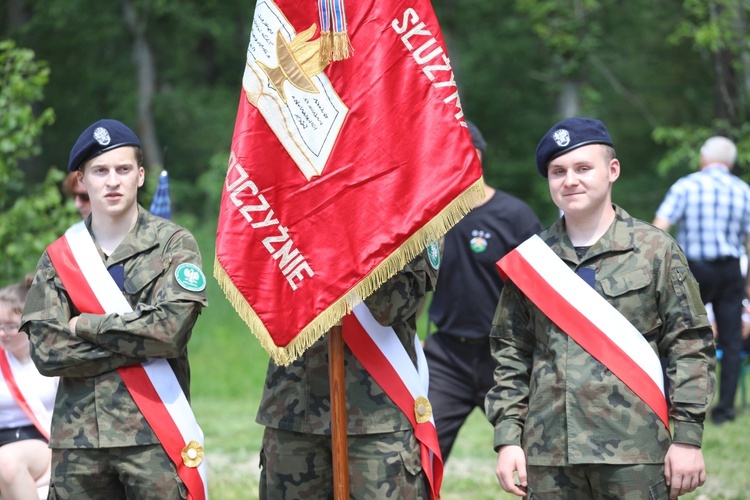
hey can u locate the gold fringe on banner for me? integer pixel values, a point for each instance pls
(432, 231)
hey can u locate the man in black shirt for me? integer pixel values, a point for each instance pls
(458, 354)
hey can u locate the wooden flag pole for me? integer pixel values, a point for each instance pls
(338, 413)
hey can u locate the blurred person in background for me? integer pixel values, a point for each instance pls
(73, 189)
(26, 402)
(711, 209)
(458, 353)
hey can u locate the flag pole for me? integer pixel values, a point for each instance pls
(338, 413)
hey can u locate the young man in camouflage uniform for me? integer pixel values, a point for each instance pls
(102, 445)
(564, 423)
(384, 455)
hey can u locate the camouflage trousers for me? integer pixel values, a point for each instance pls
(134, 472)
(595, 481)
(295, 465)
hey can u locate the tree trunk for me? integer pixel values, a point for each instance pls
(743, 57)
(569, 102)
(727, 95)
(17, 15)
(146, 74)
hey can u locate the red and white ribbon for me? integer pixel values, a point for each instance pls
(23, 392)
(153, 385)
(599, 328)
(381, 353)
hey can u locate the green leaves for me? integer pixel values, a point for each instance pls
(22, 84)
(32, 222)
(684, 142)
(32, 216)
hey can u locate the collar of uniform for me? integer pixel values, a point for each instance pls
(145, 233)
(620, 234)
(557, 239)
(619, 237)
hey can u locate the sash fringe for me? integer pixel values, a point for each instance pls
(432, 231)
(326, 47)
(342, 46)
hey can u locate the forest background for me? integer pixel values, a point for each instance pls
(662, 74)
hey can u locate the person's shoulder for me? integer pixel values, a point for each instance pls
(501, 196)
(551, 232)
(647, 233)
(688, 180)
(635, 224)
(167, 226)
(163, 229)
(739, 181)
(507, 202)
(642, 225)
(158, 223)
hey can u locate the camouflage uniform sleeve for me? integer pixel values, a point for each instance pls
(54, 349)
(159, 327)
(401, 297)
(512, 345)
(687, 343)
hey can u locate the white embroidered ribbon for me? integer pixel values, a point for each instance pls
(592, 305)
(159, 372)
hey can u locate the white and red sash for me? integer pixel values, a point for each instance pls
(591, 321)
(381, 353)
(24, 394)
(153, 384)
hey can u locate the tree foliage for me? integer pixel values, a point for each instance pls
(30, 224)
(717, 30)
(661, 75)
(21, 85)
(32, 214)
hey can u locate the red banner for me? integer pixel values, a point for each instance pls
(340, 173)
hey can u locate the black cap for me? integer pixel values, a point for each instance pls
(104, 135)
(476, 137)
(567, 135)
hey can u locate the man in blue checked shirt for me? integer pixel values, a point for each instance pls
(711, 209)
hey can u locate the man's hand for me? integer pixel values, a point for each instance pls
(510, 460)
(684, 469)
(746, 319)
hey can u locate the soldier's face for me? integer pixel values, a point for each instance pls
(112, 180)
(580, 182)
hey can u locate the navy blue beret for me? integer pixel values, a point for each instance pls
(477, 139)
(100, 137)
(567, 135)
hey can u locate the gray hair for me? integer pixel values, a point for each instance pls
(719, 149)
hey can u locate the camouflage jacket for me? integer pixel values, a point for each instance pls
(564, 407)
(297, 397)
(93, 408)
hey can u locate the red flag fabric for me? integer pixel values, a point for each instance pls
(339, 173)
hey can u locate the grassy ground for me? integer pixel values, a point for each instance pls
(228, 368)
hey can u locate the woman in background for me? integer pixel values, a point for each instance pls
(26, 402)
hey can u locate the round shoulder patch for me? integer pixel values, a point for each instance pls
(433, 252)
(190, 277)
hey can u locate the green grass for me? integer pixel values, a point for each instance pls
(228, 370)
